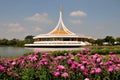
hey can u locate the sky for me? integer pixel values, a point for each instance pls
(95, 18)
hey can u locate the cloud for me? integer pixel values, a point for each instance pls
(75, 21)
(14, 28)
(39, 18)
(37, 29)
(99, 27)
(78, 14)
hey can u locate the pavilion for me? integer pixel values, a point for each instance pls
(60, 36)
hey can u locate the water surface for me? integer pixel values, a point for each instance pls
(19, 51)
(13, 51)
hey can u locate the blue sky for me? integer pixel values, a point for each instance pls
(96, 18)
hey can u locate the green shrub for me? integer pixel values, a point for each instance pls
(28, 53)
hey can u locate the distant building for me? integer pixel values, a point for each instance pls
(60, 36)
(105, 43)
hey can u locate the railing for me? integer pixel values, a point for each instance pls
(57, 42)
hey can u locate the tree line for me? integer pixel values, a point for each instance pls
(108, 40)
(16, 42)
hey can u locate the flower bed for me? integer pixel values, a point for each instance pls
(68, 66)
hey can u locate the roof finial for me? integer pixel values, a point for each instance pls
(60, 8)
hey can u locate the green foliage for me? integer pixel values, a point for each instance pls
(3, 42)
(58, 53)
(28, 74)
(16, 42)
(65, 52)
(29, 39)
(74, 52)
(105, 51)
(13, 42)
(28, 53)
(99, 42)
(109, 39)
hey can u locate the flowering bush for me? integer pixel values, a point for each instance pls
(45, 66)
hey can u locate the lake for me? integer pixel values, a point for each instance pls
(19, 51)
(13, 51)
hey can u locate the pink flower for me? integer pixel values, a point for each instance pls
(118, 65)
(22, 61)
(36, 52)
(34, 58)
(79, 55)
(110, 53)
(89, 53)
(109, 63)
(56, 73)
(117, 68)
(59, 57)
(76, 63)
(69, 61)
(13, 63)
(98, 70)
(65, 74)
(111, 68)
(2, 68)
(9, 69)
(84, 62)
(55, 63)
(82, 58)
(86, 49)
(86, 72)
(82, 67)
(98, 60)
(72, 58)
(92, 71)
(79, 65)
(61, 67)
(73, 66)
(43, 62)
(113, 56)
(86, 79)
(95, 56)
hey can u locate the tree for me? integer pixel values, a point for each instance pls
(12, 42)
(110, 40)
(118, 40)
(99, 42)
(3, 42)
(20, 43)
(91, 41)
(29, 39)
